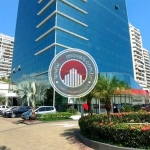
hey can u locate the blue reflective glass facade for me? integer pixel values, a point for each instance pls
(46, 27)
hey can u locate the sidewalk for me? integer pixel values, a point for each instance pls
(76, 117)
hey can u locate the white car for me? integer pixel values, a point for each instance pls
(39, 110)
(4, 112)
(45, 110)
(2, 108)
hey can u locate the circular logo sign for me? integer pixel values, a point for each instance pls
(73, 73)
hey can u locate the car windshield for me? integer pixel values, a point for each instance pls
(14, 108)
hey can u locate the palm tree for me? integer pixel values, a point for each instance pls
(24, 91)
(106, 87)
(32, 92)
(40, 93)
(2, 98)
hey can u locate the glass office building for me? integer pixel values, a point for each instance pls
(46, 27)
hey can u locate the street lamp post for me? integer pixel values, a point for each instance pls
(14, 71)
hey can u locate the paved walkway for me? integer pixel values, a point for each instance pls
(45, 136)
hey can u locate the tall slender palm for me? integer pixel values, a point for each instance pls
(106, 87)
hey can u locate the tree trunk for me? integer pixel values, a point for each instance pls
(33, 103)
(108, 108)
(28, 101)
(108, 115)
(6, 102)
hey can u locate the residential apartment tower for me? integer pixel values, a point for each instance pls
(6, 52)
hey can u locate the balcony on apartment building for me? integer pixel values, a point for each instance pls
(135, 48)
(136, 45)
(136, 36)
(140, 62)
(138, 57)
(147, 68)
(145, 53)
(140, 75)
(147, 64)
(142, 82)
(146, 60)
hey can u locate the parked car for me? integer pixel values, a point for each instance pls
(147, 108)
(3, 107)
(8, 109)
(39, 110)
(17, 112)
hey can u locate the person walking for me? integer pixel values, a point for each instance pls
(119, 107)
(30, 116)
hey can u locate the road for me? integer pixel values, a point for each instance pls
(43, 136)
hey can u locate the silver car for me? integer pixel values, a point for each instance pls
(39, 110)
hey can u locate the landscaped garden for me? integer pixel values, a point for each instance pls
(127, 129)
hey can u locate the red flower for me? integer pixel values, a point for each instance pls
(101, 124)
(145, 128)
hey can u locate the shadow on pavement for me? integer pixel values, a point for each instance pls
(4, 148)
(69, 132)
(18, 121)
(71, 136)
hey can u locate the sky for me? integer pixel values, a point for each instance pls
(138, 15)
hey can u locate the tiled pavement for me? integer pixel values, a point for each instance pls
(43, 136)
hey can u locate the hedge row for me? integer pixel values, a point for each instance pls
(126, 117)
(57, 116)
(116, 133)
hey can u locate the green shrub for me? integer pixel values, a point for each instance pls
(57, 116)
(72, 110)
(127, 108)
(137, 107)
(120, 131)
(130, 108)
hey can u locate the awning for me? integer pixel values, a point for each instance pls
(10, 95)
(133, 92)
(140, 92)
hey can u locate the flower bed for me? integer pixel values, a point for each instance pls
(117, 132)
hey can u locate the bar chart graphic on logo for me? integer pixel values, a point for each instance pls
(73, 73)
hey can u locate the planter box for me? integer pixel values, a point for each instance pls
(100, 146)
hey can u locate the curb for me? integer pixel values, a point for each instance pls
(43, 122)
(98, 145)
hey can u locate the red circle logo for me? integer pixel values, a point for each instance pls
(73, 73)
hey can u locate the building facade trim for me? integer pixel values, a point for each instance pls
(64, 30)
(50, 46)
(77, 8)
(62, 14)
(44, 8)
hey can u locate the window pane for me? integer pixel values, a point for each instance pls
(48, 108)
(42, 109)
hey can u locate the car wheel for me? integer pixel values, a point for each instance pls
(13, 115)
